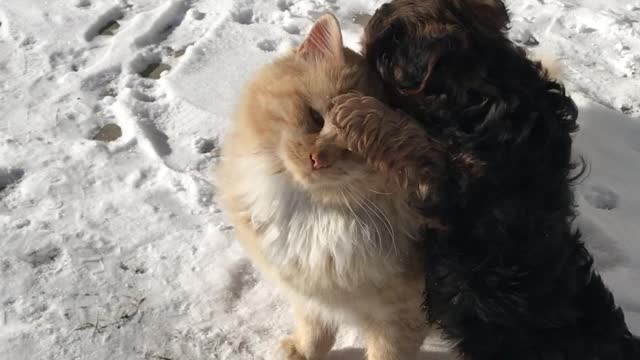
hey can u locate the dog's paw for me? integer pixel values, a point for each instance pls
(357, 120)
(288, 350)
(353, 107)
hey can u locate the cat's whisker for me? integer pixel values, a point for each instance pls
(359, 201)
(372, 207)
(278, 171)
(357, 218)
(265, 151)
(379, 193)
(381, 214)
(383, 218)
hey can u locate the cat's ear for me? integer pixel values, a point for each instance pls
(324, 41)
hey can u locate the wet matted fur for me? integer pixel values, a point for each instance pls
(507, 274)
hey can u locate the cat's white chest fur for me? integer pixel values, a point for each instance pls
(298, 232)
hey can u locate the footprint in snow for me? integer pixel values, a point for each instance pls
(83, 3)
(180, 52)
(292, 29)
(107, 24)
(626, 109)
(9, 177)
(600, 197)
(166, 22)
(283, 5)
(43, 256)
(243, 279)
(138, 270)
(585, 29)
(108, 133)
(204, 146)
(196, 15)
(524, 37)
(267, 45)
(243, 16)
(154, 70)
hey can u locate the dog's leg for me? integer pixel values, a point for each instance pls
(390, 140)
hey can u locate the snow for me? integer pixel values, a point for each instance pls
(118, 250)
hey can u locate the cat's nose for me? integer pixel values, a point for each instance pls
(318, 161)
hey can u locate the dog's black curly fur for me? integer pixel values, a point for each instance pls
(507, 276)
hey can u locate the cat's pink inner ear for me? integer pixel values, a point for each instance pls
(324, 40)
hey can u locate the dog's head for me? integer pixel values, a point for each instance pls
(411, 42)
(450, 64)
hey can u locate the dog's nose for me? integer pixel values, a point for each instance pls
(408, 86)
(409, 90)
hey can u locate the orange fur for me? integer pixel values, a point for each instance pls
(338, 240)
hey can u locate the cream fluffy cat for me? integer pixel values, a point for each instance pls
(313, 216)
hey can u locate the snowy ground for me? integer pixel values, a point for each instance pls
(117, 249)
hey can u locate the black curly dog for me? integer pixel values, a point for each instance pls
(507, 275)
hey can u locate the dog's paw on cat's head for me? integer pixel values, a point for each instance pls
(293, 96)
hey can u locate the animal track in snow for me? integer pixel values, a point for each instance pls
(196, 15)
(10, 177)
(242, 280)
(43, 256)
(600, 197)
(292, 29)
(164, 24)
(100, 80)
(157, 138)
(106, 24)
(107, 133)
(204, 146)
(243, 12)
(177, 53)
(154, 70)
(585, 29)
(243, 16)
(138, 48)
(83, 3)
(524, 37)
(138, 269)
(267, 45)
(108, 90)
(69, 60)
(626, 109)
(283, 5)
(142, 96)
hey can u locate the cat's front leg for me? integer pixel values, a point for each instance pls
(390, 140)
(398, 339)
(312, 339)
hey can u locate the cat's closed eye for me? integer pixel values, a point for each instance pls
(316, 120)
